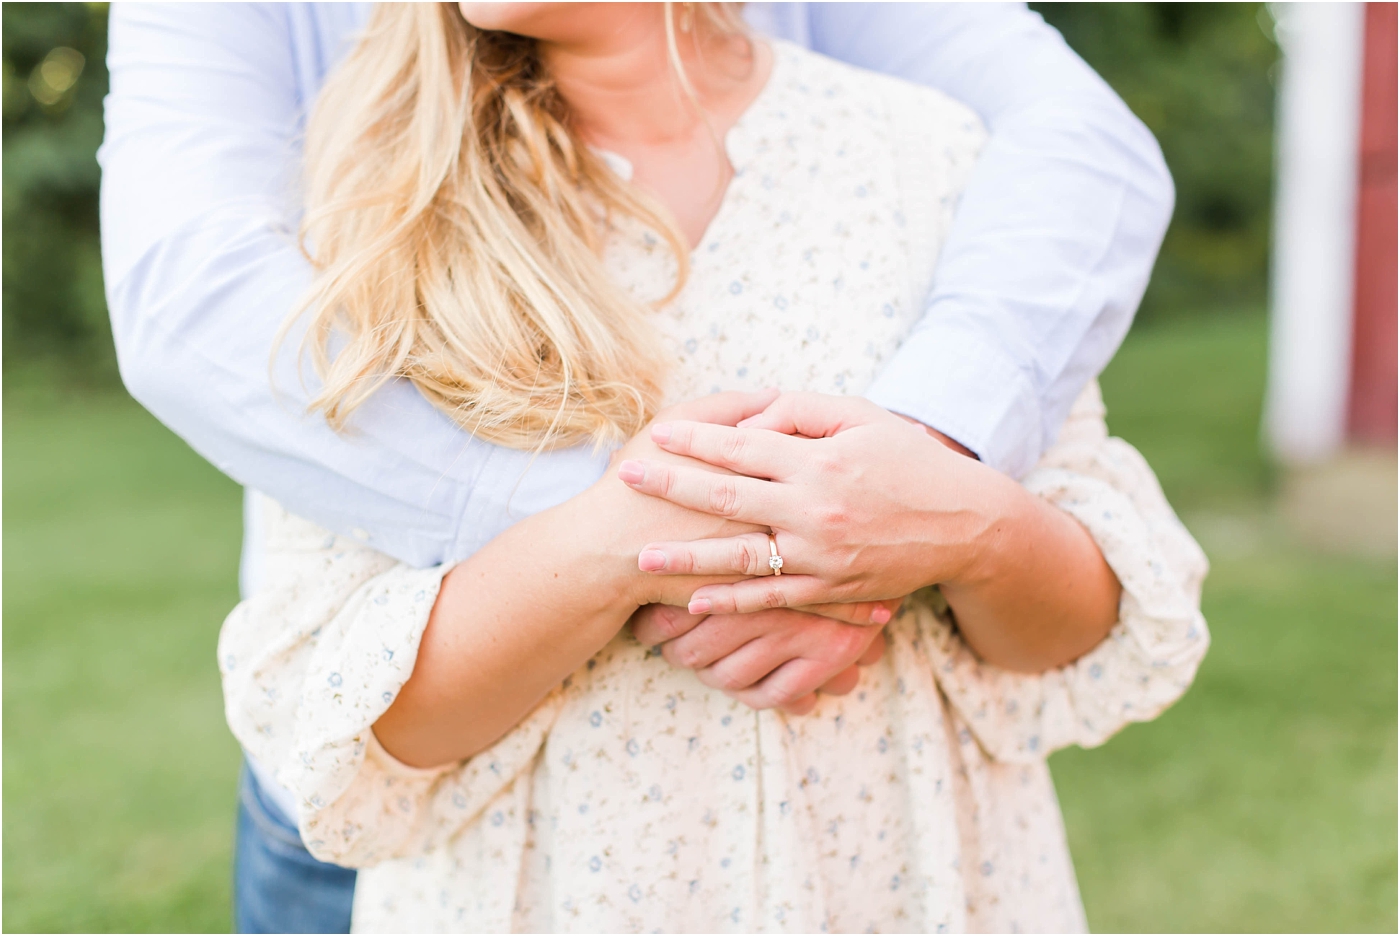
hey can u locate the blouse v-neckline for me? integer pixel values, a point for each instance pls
(738, 149)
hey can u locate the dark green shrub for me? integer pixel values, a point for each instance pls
(55, 76)
(1200, 75)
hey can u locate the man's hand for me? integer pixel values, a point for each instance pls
(863, 504)
(769, 659)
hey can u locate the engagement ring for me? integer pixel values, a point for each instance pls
(775, 561)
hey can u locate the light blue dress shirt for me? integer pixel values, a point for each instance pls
(1036, 286)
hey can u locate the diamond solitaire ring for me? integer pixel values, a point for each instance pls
(775, 561)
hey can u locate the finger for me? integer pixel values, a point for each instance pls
(768, 591)
(752, 452)
(788, 665)
(717, 636)
(791, 687)
(745, 554)
(748, 665)
(802, 706)
(724, 409)
(874, 652)
(860, 612)
(843, 682)
(733, 497)
(657, 623)
(815, 415)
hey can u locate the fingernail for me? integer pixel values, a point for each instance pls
(699, 606)
(631, 472)
(881, 615)
(651, 560)
(661, 433)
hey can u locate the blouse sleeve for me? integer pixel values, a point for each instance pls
(313, 660)
(1149, 658)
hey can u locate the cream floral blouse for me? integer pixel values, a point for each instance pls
(636, 799)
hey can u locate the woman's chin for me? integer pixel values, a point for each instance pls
(549, 21)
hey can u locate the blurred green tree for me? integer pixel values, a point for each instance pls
(1198, 74)
(55, 77)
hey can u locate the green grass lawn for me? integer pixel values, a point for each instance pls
(1264, 801)
(120, 562)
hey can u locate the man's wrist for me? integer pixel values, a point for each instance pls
(961, 378)
(1002, 510)
(946, 440)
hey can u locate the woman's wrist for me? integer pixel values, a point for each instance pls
(621, 522)
(1002, 514)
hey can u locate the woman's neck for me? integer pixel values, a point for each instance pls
(621, 85)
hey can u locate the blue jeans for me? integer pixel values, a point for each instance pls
(277, 886)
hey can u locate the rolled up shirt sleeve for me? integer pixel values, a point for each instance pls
(1055, 235)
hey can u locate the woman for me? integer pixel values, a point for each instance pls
(495, 198)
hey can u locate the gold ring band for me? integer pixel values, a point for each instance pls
(775, 561)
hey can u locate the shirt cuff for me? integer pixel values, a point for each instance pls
(955, 379)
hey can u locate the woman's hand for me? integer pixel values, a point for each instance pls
(768, 659)
(864, 505)
(634, 520)
(627, 521)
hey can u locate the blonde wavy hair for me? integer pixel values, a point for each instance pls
(455, 219)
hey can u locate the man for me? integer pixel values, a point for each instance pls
(1035, 288)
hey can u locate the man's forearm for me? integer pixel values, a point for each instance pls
(1038, 593)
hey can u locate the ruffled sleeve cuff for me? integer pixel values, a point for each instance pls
(313, 660)
(1149, 658)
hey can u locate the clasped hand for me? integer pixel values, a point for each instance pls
(864, 506)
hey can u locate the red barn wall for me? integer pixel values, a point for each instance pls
(1371, 402)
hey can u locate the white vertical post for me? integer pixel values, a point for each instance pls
(1311, 281)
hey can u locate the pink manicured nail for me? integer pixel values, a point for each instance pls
(700, 606)
(651, 560)
(632, 472)
(661, 433)
(881, 615)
